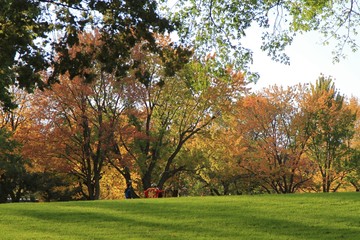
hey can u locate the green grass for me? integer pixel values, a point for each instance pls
(299, 216)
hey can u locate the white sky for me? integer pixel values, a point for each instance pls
(308, 59)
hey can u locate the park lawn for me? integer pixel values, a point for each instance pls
(295, 216)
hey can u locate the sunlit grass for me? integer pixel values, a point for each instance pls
(299, 216)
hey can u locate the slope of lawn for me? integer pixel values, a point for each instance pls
(297, 216)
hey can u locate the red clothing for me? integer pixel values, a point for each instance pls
(152, 192)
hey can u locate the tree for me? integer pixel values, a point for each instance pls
(14, 178)
(18, 179)
(353, 163)
(72, 126)
(34, 31)
(333, 126)
(169, 109)
(220, 25)
(217, 154)
(77, 119)
(275, 131)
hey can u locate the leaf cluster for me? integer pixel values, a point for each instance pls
(220, 25)
(38, 34)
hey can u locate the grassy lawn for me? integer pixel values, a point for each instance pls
(297, 216)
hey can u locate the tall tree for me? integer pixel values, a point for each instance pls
(73, 121)
(78, 118)
(275, 131)
(333, 124)
(170, 110)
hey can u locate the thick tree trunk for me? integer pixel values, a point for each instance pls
(126, 174)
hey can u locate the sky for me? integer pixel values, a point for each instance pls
(308, 60)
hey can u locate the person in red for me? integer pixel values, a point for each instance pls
(153, 192)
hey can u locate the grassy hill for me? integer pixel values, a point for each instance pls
(297, 216)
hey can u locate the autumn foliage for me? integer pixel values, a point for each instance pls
(183, 123)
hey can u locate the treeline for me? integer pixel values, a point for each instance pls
(95, 96)
(188, 126)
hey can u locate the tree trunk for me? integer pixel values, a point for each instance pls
(356, 186)
(126, 174)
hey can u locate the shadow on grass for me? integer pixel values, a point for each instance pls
(142, 219)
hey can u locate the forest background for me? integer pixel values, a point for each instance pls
(97, 95)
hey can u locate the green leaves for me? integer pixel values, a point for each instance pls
(333, 127)
(218, 26)
(35, 35)
(21, 58)
(12, 168)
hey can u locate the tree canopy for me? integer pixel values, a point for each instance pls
(36, 35)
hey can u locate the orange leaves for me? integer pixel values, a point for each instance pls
(235, 75)
(274, 133)
(256, 111)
